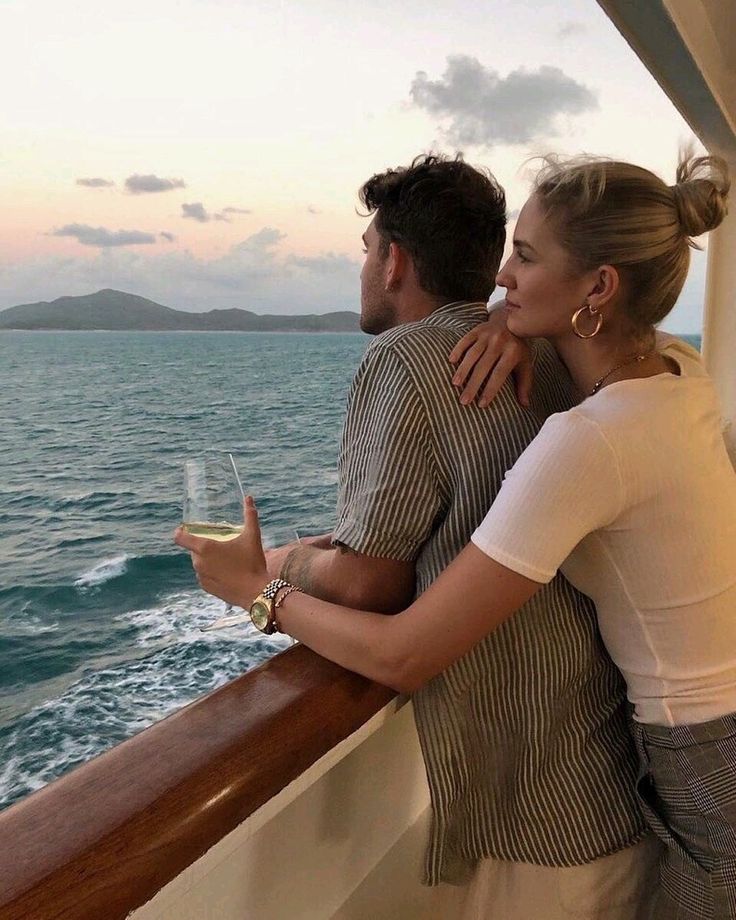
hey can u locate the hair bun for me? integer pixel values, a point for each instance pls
(701, 193)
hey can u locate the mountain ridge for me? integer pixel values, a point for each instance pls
(119, 311)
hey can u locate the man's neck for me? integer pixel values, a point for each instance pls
(414, 309)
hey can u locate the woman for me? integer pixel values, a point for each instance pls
(631, 494)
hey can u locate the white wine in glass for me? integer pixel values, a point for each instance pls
(213, 497)
(221, 532)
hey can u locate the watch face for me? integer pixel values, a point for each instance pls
(259, 613)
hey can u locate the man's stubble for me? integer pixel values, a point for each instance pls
(377, 311)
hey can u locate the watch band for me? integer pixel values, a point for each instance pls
(273, 588)
(271, 593)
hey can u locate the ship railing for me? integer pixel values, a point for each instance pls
(106, 837)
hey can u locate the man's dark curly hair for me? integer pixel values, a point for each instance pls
(451, 219)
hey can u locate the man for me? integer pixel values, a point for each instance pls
(528, 758)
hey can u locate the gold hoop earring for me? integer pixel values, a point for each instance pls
(593, 313)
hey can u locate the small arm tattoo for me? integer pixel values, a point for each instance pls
(297, 569)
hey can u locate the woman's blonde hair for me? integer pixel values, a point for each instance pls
(612, 213)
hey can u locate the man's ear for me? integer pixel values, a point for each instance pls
(606, 285)
(397, 264)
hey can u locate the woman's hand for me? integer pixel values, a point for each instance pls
(234, 570)
(486, 356)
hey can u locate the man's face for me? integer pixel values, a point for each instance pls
(377, 313)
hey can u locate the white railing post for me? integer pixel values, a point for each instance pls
(719, 318)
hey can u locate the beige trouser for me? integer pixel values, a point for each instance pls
(617, 887)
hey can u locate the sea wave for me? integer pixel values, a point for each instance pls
(33, 626)
(123, 575)
(90, 582)
(72, 542)
(103, 571)
(51, 631)
(90, 500)
(182, 616)
(106, 706)
(84, 497)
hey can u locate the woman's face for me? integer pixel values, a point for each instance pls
(541, 291)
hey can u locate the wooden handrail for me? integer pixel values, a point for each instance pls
(103, 839)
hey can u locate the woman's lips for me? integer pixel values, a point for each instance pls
(510, 305)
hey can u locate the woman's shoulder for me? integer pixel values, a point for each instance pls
(578, 429)
(688, 359)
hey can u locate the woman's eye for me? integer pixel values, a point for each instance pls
(522, 257)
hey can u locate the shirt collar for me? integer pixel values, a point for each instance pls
(472, 309)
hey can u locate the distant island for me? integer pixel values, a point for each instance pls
(117, 311)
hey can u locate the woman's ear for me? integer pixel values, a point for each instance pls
(606, 285)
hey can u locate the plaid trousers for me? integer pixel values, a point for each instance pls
(687, 792)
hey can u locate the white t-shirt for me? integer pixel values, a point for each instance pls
(632, 495)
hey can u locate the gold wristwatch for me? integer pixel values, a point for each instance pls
(263, 609)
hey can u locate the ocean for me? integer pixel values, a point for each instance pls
(100, 614)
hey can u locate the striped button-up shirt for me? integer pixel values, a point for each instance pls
(525, 738)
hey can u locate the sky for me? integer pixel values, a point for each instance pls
(207, 153)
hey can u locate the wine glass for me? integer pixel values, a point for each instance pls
(213, 496)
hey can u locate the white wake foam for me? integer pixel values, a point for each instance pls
(103, 571)
(180, 663)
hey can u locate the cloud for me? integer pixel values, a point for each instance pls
(169, 237)
(145, 185)
(196, 211)
(101, 236)
(255, 274)
(571, 28)
(95, 183)
(223, 214)
(485, 109)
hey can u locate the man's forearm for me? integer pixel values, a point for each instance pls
(342, 576)
(309, 567)
(321, 541)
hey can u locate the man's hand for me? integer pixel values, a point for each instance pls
(486, 356)
(234, 570)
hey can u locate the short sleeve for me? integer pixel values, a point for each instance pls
(564, 486)
(388, 499)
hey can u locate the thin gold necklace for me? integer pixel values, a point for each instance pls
(635, 360)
